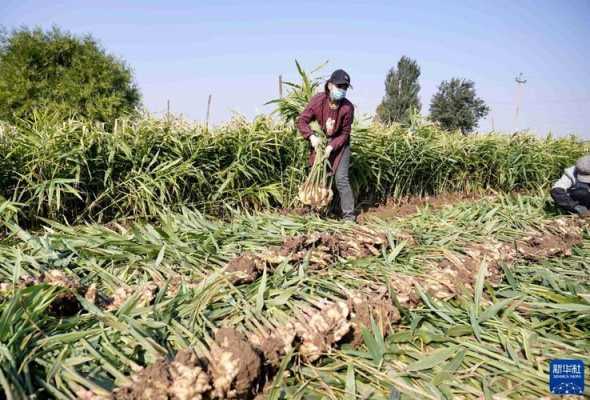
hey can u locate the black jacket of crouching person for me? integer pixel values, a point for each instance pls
(570, 194)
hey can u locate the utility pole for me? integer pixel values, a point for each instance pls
(281, 86)
(208, 113)
(520, 82)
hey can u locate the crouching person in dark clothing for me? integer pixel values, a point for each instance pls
(572, 191)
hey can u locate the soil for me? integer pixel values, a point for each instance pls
(150, 383)
(557, 240)
(243, 269)
(320, 249)
(406, 206)
(320, 328)
(189, 377)
(65, 303)
(272, 349)
(274, 343)
(234, 365)
(375, 305)
(292, 245)
(179, 379)
(404, 289)
(147, 295)
(549, 245)
(397, 207)
(299, 211)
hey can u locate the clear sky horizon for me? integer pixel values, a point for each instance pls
(183, 51)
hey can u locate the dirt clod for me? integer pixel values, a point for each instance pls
(243, 269)
(404, 287)
(65, 303)
(274, 345)
(320, 328)
(151, 382)
(536, 248)
(373, 305)
(147, 292)
(557, 239)
(293, 245)
(234, 365)
(183, 378)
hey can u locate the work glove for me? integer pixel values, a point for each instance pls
(582, 211)
(328, 150)
(315, 141)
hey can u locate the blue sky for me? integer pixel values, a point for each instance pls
(185, 50)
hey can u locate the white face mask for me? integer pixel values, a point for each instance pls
(336, 94)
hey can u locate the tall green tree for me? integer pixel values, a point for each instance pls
(58, 72)
(456, 106)
(401, 92)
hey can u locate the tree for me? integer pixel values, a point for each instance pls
(57, 72)
(456, 106)
(401, 92)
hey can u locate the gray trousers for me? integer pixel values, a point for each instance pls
(343, 185)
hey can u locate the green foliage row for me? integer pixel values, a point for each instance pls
(78, 171)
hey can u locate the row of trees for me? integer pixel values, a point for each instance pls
(455, 106)
(58, 72)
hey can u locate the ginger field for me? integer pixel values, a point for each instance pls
(465, 301)
(76, 172)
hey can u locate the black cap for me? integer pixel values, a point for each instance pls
(340, 77)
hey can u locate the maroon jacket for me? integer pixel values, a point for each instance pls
(336, 124)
